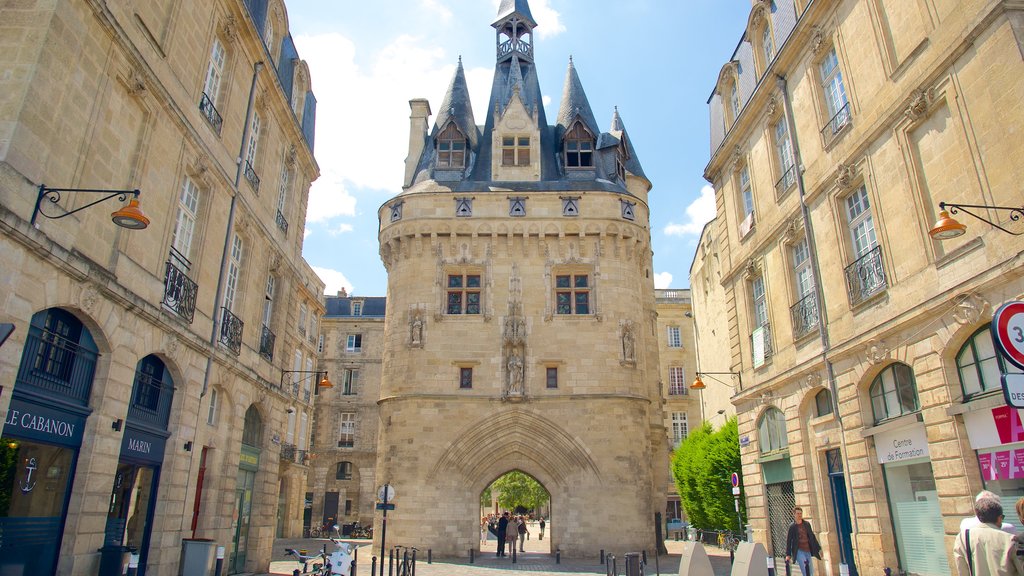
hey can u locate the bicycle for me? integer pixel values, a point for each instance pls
(406, 564)
(338, 563)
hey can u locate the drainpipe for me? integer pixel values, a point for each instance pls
(224, 255)
(818, 291)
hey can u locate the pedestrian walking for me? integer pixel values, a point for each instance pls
(542, 525)
(985, 550)
(512, 534)
(502, 531)
(801, 544)
(523, 531)
(972, 520)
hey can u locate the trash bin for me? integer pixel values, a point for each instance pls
(114, 559)
(197, 557)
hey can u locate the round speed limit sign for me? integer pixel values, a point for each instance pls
(1008, 332)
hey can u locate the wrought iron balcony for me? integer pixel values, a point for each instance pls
(151, 401)
(267, 339)
(678, 390)
(766, 339)
(250, 175)
(179, 291)
(836, 125)
(805, 315)
(57, 366)
(210, 113)
(231, 331)
(281, 222)
(787, 181)
(866, 276)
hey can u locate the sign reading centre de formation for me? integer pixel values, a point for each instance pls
(903, 444)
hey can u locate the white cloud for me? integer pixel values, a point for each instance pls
(333, 280)
(549, 20)
(440, 11)
(663, 280)
(698, 213)
(341, 229)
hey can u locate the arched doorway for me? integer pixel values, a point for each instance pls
(248, 465)
(515, 496)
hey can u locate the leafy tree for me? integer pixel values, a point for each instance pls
(517, 490)
(702, 466)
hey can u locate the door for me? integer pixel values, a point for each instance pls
(841, 508)
(330, 508)
(243, 514)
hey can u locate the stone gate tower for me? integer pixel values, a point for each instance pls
(520, 332)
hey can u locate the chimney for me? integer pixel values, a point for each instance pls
(417, 136)
(342, 293)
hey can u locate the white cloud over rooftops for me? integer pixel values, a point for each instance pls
(698, 213)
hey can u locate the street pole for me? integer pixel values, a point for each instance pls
(739, 521)
(384, 528)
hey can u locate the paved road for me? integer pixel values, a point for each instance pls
(536, 560)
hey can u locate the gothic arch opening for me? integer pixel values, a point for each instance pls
(512, 498)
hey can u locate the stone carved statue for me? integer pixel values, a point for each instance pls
(515, 374)
(628, 344)
(416, 329)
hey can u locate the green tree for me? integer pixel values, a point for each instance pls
(516, 489)
(702, 466)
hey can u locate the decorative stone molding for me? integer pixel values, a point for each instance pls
(876, 351)
(817, 39)
(812, 380)
(170, 344)
(752, 269)
(794, 230)
(229, 28)
(969, 308)
(199, 167)
(290, 156)
(919, 103)
(845, 173)
(275, 261)
(135, 83)
(89, 298)
(514, 331)
(773, 106)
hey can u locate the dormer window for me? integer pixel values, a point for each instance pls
(451, 148)
(579, 147)
(515, 151)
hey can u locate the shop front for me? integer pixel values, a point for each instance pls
(913, 500)
(997, 437)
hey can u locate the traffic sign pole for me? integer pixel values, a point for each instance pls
(384, 524)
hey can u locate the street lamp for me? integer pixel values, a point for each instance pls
(324, 382)
(948, 227)
(698, 384)
(129, 216)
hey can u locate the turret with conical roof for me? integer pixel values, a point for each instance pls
(514, 26)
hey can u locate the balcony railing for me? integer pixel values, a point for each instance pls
(267, 339)
(281, 222)
(210, 113)
(866, 276)
(179, 291)
(836, 125)
(231, 331)
(805, 315)
(678, 390)
(786, 182)
(765, 341)
(58, 366)
(515, 46)
(151, 401)
(250, 175)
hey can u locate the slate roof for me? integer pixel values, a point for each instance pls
(457, 107)
(373, 306)
(574, 103)
(510, 7)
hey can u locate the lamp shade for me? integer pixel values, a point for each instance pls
(325, 383)
(130, 216)
(698, 384)
(946, 227)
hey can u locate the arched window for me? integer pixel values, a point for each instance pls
(252, 434)
(152, 392)
(579, 147)
(894, 393)
(978, 365)
(823, 402)
(771, 431)
(59, 356)
(451, 147)
(344, 471)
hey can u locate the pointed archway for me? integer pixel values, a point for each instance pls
(515, 496)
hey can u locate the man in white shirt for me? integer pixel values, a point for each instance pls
(984, 549)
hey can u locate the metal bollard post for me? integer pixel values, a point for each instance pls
(471, 556)
(514, 552)
(373, 566)
(355, 562)
(133, 564)
(413, 562)
(391, 562)
(732, 557)
(657, 565)
(296, 572)
(602, 555)
(643, 554)
(220, 561)
(558, 556)
(771, 566)
(631, 562)
(430, 555)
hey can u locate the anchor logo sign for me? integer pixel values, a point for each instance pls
(28, 484)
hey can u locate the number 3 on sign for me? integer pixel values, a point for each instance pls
(1008, 332)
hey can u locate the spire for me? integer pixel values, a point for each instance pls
(618, 130)
(617, 122)
(457, 107)
(575, 103)
(518, 8)
(515, 80)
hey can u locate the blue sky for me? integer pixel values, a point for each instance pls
(657, 60)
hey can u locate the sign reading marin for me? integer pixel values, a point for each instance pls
(37, 422)
(142, 445)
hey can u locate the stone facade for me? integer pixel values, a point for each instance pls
(868, 377)
(529, 275)
(120, 337)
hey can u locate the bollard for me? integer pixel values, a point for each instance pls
(644, 556)
(657, 566)
(514, 552)
(771, 566)
(471, 556)
(220, 561)
(296, 572)
(355, 562)
(558, 556)
(391, 562)
(602, 556)
(373, 566)
(430, 555)
(631, 562)
(615, 566)
(732, 557)
(888, 571)
(413, 562)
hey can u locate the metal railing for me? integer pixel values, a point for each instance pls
(180, 291)
(866, 276)
(519, 46)
(267, 339)
(805, 315)
(834, 126)
(292, 453)
(787, 181)
(57, 365)
(231, 327)
(210, 113)
(282, 223)
(767, 339)
(678, 390)
(250, 175)
(151, 401)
